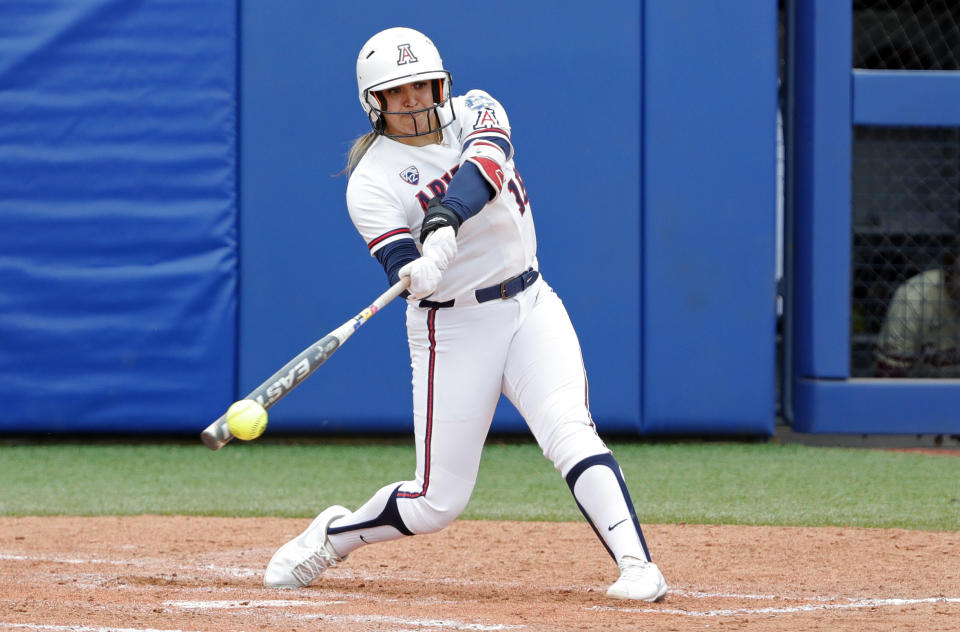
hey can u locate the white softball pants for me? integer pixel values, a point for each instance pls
(463, 358)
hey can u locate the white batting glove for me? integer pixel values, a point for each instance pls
(441, 246)
(424, 277)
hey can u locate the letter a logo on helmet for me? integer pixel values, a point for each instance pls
(406, 55)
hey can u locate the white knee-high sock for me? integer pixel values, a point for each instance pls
(601, 493)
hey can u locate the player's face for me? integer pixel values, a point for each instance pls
(408, 98)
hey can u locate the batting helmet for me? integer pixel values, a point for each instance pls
(397, 56)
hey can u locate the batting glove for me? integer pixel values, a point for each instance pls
(441, 246)
(424, 277)
(437, 217)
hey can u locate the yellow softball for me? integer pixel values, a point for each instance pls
(246, 419)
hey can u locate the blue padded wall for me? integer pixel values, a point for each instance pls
(709, 147)
(573, 103)
(117, 214)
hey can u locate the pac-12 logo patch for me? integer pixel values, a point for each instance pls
(406, 55)
(410, 175)
(479, 102)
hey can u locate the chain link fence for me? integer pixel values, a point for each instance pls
(906, 205)
(906, 34)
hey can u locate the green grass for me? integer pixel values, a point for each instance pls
(706, 483)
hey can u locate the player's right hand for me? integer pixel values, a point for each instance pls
(441, 246)
(424, 277)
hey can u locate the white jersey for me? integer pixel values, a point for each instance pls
(921, 334)
(390, 187)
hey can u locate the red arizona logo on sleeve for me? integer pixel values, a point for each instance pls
(486, 118)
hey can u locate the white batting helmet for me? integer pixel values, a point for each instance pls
(397, 56)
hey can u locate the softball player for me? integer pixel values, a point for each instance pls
(436, 196)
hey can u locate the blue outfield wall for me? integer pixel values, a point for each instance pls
(144, 285)
(117, 214)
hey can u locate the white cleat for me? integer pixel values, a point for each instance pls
(301, 560)
(639, 580)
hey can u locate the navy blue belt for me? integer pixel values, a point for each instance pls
(505, 289)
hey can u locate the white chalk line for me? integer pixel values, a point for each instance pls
(446, 624)
(225, 604)
(699, 594)
(79, 628)
(852, 604)
(417, 623)
(67, 560)
(443, 624)
(137, 563)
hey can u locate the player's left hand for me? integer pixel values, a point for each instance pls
(441, 246)
(424, 277)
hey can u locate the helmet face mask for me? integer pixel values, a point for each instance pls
(395, 57)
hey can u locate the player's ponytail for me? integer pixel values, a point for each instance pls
(357, 150)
